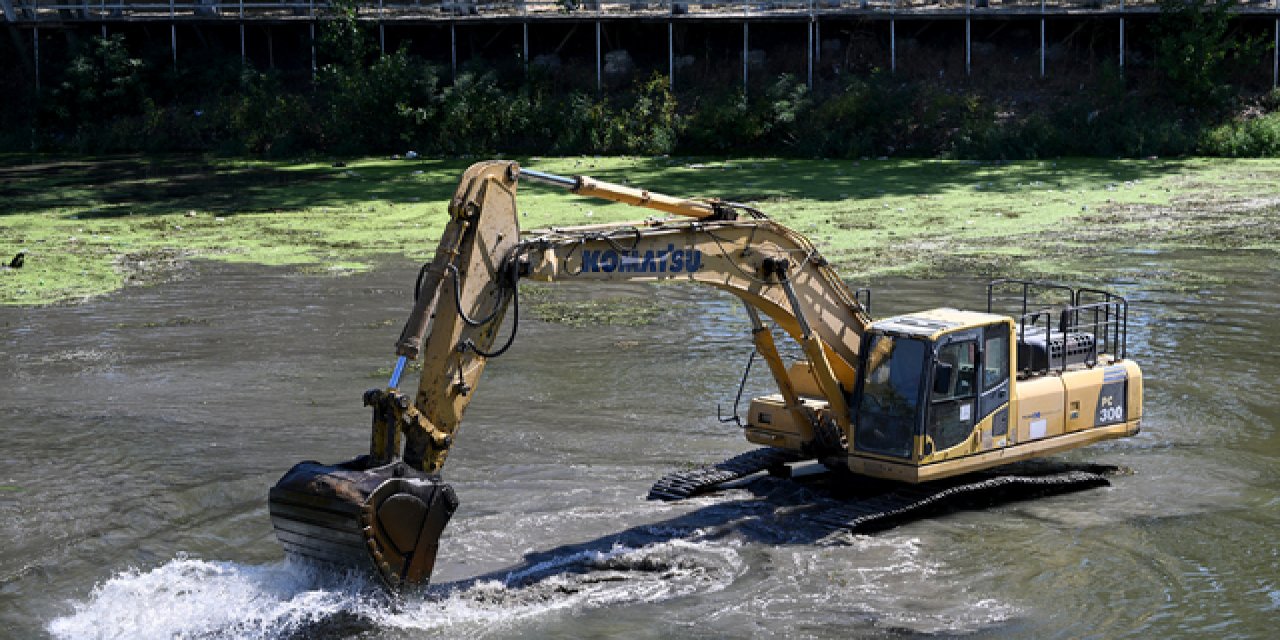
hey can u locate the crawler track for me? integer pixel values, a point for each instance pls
(691, 482)
(909, 501)
(887, 503)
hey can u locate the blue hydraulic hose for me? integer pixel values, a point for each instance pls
(395, 375)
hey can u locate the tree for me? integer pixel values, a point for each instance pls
(1195, 49)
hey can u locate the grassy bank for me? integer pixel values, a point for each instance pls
(93, 226)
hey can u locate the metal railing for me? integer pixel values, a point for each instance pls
(1077, 326)
(392, 10)
(1107, 317)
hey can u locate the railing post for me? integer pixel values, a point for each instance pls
(526, 48)
(35, 40)
(1122, 35)
(1042, 53)
(599, 70)
(893, 37)
(382, 29)
(311, 13)
(173, 33)
(671, 54)
(968, 37)
(745, 51)
(812, 18)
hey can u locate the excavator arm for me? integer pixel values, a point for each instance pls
(471, 282)
(461, 299)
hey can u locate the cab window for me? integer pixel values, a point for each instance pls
(957, 366)
(951, 411)
(995, 376)
(995, 369)
(891, 395)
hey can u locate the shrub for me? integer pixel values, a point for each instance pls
(1194, 48)
(719, 123)
(101, 86)
(1250, 137)
(268, 120)
(476, 115)
(651, 125)
(379, 106)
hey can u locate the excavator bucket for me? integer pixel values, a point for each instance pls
(383, 513)
(380, 520)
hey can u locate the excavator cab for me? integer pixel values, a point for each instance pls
(947, 392)
(920, 394)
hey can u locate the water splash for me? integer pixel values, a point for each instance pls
(196, 598)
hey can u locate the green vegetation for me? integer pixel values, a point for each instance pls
(93, 226)
(1194, 98)
(1196, 49)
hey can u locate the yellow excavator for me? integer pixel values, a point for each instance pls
(928, 406)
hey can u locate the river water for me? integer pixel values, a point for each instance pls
(141, 431)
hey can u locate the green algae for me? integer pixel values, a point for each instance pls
(91, 226)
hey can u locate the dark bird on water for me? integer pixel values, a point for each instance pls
(17, 261)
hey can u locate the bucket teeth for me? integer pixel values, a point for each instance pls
(384, 520)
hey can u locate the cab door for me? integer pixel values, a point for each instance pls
(953, 398)
(995, 386)
(970, 382)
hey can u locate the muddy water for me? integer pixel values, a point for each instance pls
(142, 430)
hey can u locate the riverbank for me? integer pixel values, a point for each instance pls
(92, 226)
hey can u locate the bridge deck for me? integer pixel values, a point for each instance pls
(410, 11)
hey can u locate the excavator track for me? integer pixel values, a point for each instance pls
(887, 509)
(887, 503)
(691, 482)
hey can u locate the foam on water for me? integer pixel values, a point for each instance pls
(584, 579)
(188, 597)
(196, 598)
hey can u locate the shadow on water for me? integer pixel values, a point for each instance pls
(781, 511)
(761, 510)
